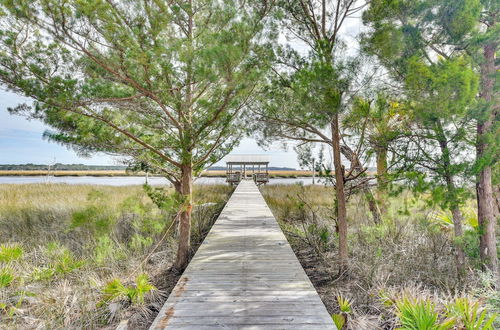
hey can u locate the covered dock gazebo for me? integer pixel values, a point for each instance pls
(238, 167)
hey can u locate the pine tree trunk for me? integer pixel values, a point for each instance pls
(459, 252)
(496, 201)
(340, 195)
(453, 199)
(484, 189)
(365, 189)
(381, 155)
(372, 205)
(185, 218)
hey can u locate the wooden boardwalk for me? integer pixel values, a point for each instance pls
(244, 276)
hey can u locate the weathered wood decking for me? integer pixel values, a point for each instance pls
(244, 276)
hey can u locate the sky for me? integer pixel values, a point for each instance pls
(21, 140)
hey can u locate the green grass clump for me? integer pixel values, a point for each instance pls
(340, 319)
(134, 293)
(107, 250)
(140, 243)
(62, 259)
(42, 274)
(419, 315)
(66, 263)
(10, 252)
(468, 314)
(6, 276)
(97, 218)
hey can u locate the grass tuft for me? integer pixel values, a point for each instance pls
(6, 276)
(10, 253)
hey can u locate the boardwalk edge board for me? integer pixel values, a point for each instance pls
(244, 276)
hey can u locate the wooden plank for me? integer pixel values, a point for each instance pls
(316, 326)
(244, 276)
(253, 298)
(287, 319)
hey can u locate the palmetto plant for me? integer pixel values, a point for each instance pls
(443, 220)
(134, 293)
(420, 314)
(10, 252)
(340, 319)
(6, 276)
(62, 260)
(468, 314)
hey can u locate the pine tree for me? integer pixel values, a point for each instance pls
(161, 82)
(414, 41)
(307, 94)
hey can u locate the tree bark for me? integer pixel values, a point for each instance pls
(496, 201)
(459, 252)
(340, 195)
(372, 205)
(484, 189)
(452, 199)
(185, 218)
(365, 189)
(381, 155)
(457, 229)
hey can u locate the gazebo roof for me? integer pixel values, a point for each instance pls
(248, 159)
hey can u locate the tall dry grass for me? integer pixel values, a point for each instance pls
(67, 173)
(408, 251)
(97, 173)
(66, 249)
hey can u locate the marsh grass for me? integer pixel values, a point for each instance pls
(409, 250)
(118, 173)
(67, 173)
(74, 256)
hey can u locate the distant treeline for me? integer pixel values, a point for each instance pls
(59, 167)
(83, 167)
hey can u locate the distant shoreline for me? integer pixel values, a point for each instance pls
(118, 173)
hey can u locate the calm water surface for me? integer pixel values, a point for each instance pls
(126, 180)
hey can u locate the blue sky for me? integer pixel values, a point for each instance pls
(21, 142)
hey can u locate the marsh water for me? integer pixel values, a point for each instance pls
(127, 180)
